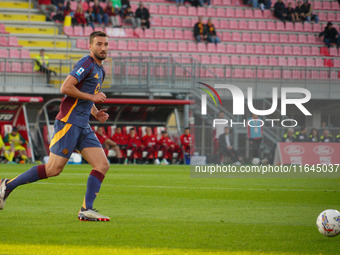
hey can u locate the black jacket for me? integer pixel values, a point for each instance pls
(197, 29)
(279, 7)
(223, 143)
(329, 33)
(142, 14)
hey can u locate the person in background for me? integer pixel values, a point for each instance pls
(330, 35)
(326, 137)
(134, 144)
(211, 33)
(124, 5)
(129, 17)
(16, 142)
(265, 4)
(255, 134)
(314, 136)
(299, 12)
(46, 7)
(227, 147)
(63, 11)
(121, 140)
(301, 135)
(98, 14)
(142, 16)
(41, 64)
(308, 12)
(280, 10)
(108, 143)
(187, 143)
(112, 15)
(150, 145)
(200, 31)
(79, 16)
(337, 138)
(3, 149)
(290, 13)
(289, 136)
(167, 146)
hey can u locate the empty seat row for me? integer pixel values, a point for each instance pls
(2, 29)
(16, 67)
(14, 53)
(10, 41)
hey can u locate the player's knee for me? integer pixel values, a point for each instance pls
(104, 166)
(53, 170)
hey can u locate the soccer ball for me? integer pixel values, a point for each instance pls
(255, 161)
(328, 222)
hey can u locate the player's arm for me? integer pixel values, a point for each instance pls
(69, 88)
(100, 115)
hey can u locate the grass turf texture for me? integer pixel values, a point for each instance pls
(161, 210)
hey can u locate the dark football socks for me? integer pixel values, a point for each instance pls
(94, 183)
(32, 175)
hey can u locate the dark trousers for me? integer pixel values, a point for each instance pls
(255, 147)
(232, 153)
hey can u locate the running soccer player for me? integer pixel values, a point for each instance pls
(72, 129)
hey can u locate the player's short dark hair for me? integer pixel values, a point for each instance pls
(97, 34)
(132, 129)
(187, 128)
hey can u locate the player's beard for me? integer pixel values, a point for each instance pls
(99, 57)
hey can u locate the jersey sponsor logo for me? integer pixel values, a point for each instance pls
(96, 76)
(80, 71)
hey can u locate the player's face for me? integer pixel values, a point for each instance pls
(99, 47)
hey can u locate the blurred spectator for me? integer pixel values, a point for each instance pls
(200, 32)
(211, 33)
(314, 136)
(254, 3)
(299, 12)
(134, 144)
(150, 145)
(187, 143)
(63, 11)
(265, 4)
(41, 64)
(167, 146)
(289, 136)
(108, 143)
(120, 139)
(326, 137)
(142, 16)
(3, 150)
(98, 14)
(79, 16)
(330, 35)
(219, 128)
(280, 10)
(308, 12)
(337, 138)
(226, 147)
(16, 142)
(255, 134)
(46, 7)
(129, 17)
(179, 2)
(124, 5)
(301, 135)
(112, 15)
(290, 13)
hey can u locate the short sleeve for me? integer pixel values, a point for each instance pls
(82, 69)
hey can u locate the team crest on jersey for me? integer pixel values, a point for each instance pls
(97, 88)
(96, 76)
(80, 71)
(65, 151)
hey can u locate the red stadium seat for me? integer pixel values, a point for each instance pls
(238, 73)
(291, 62)
(205, 59)
(162, 46)
(16, 67)
(252, 25)
(211, 12)
(5, 68)
(24, 53)
(236, 37)
(248, 13)
(27, 67)
(233, 24)
(226, 36)
(142, 46)
(258, 14)
(201, 47)
(192, 47)
(296, 50)
(3, 41)
(307, 27)
(250, 49)
(13, 53)
(166, 21)
(225, 60)
(280, 26)
(13, 41)
(274, 38)
(246, 37)
(249, 73)
(239, 13)
(157, 21)
(139, 33)
(176, 22)
(254, 61)
(81, 44)
(78, 31)
(289, 26)
(179, 34)
(262, 26)
(243, 24)
(299, 27)
(220, 12)
(159, 33)
(256, 37)
(230, 48)
(326, 5)
(301, 62)
(132, 45)
(282, 61)
(68, 30)
(264, 37)
(168, 34)
(268, 50)
(244, 60)
(163, 9)
(332, 52)
(220, 48)
(87, 30)
(201, 11)
(306, 51)
(172, 46)
(188, 35)
(234, 60)
(186, 22)
(310, 62)
(122, 45)
(182, 10)
(148, 34)
(192, 11)
(215, 59)
(4, 53)
(283, 38)
(292, 38)
(230, 13)
(152, 46)
(331, 16)
(240, 48)
(272, 61)
(173, 10)
(278, 50)
(211, 48)
(259, 49)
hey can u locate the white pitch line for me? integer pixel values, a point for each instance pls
(176, 187)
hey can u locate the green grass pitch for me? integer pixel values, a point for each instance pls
(161, 210)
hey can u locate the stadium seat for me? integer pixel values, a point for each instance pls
(226, 36)
(4, 67)
(252, 25)
(283, 38)
(129, 32)
(249, 49)
(299, 27)
(249, 73)
(201, 47)
(68, 30)
(24, 53)
(331, 16)
(220, 48)
(274, 38)
(152, 46)
(220, 12)
(166, 21)
(319, 62)
(205, 59)
(225, 60)
(132, 45)
(142, 46)
(336, 62)
(13, 53)
(248, 14)
(296, 50)
(215, 59)
(88, 30)
(162, 46)
(268, 50)
(332, 52)
(168, 34)
(234, 60)
(264, 37)
(3, 41)
(163, 9)
(13, 41)
(263, 61)
(179, 34)
(278, 50)
(81, 44)
(302, 39)
(326, 5)
(182, 10)
(139, 33)
(256, 37)
(122, 45)
(312, 39)
(192, 47)
(230, 48)
(211, 12)
(243, 25)
(282, 61)
(291, 62)
(78, 31)
(244, 60)
(306, 51)
(233, 24)
(188, 35)
(157, 21)
(201, 11)
(172, 46)
(211, 48)
(254, 61)
(172, 10)
(289, 26)
(16, 67)
(176, 22)
(238, 73)
(259, 49)
(280, 26)
(246, 37)
(310, 62)
(148, 34)
(236, 37)
(317, 28)
(159, 33)
(338, 17)
(292, 38)
(4, 53)
(27, 67)
(240, 48)
(192, 11)
(272, 61)
(258, 14)
(307, 27)
(301, 62)
(230, 13)
(239, 13)
(262, 26)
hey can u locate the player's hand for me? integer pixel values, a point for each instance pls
(99, 97)
(102, 116)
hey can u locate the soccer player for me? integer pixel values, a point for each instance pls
(167, 146)
(16, 142)
(134, 144)
(150, 145)
(72, 129)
